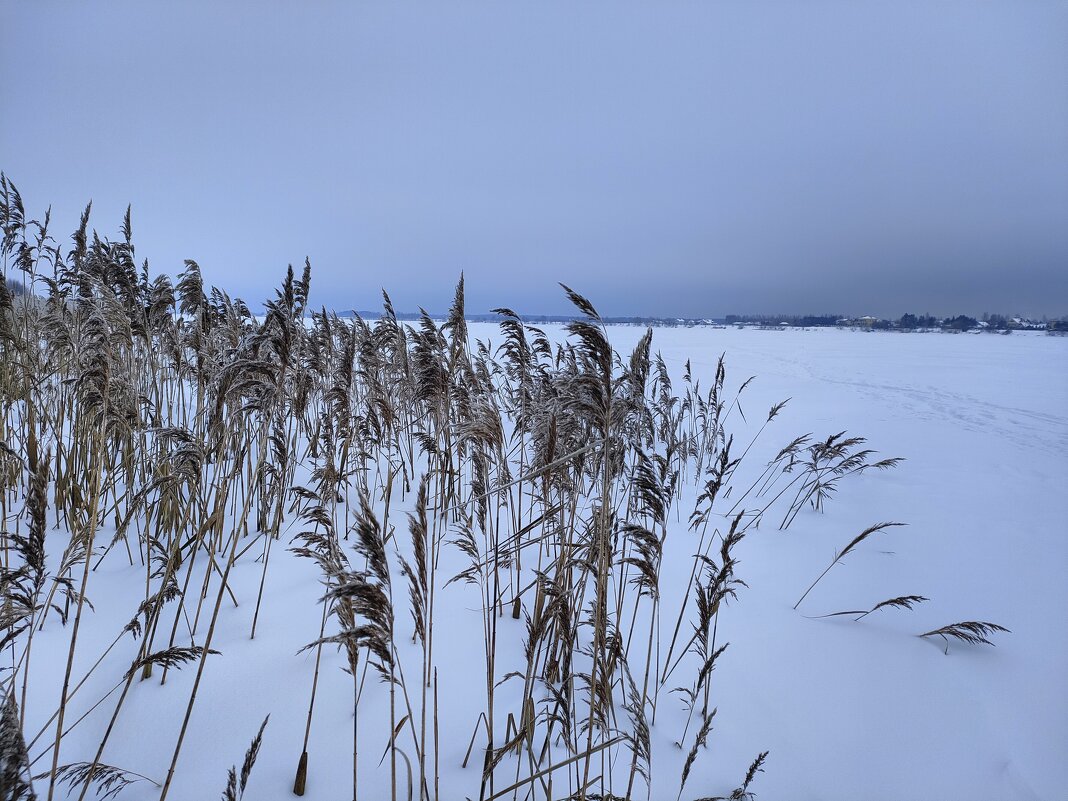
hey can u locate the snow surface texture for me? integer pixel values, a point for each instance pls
(848, 710)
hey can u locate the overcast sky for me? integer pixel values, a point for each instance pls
(662, 158)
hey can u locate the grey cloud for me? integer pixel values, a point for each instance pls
(683, 158)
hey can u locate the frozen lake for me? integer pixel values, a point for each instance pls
(848, 710)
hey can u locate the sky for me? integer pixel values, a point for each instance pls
(663, 158)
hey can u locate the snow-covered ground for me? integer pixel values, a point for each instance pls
(848, 710)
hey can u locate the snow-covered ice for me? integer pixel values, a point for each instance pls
(848, 710)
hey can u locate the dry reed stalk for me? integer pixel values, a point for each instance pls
(571, 543)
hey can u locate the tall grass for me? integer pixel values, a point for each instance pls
(200, 435)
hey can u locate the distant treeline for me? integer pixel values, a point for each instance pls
(14, 286)
(806, 321)
(540, 319)
(906, 322)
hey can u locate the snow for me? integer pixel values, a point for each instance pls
(848, 710)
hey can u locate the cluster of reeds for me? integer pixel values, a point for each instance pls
(197, 434)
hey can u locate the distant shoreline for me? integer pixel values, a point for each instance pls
(905, 324)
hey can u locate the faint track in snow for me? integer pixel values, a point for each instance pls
(1024, 427)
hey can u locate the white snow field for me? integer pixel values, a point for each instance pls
(847, 709)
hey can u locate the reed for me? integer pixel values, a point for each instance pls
(173, 440)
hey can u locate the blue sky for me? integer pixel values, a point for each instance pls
(662, 158)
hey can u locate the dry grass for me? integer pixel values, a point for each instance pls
(551, 471)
